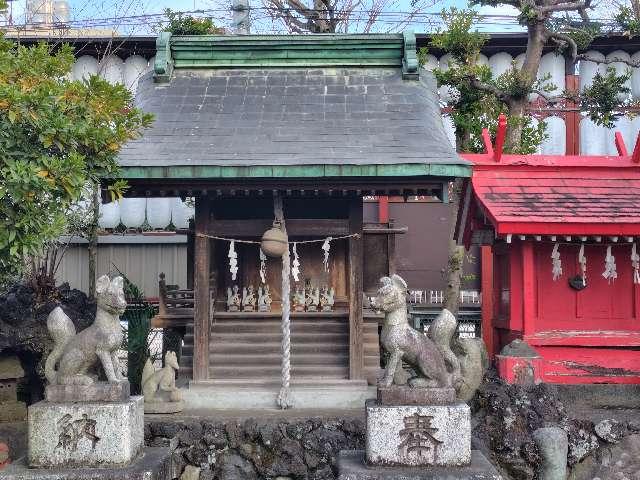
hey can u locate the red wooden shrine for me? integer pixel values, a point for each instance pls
(518, 207)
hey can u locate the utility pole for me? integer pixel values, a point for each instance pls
(241, 21)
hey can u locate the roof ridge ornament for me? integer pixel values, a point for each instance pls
(410, 58)
(163, 65)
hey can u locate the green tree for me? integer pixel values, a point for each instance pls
(181, 24)
(56, 137)
(479, 97)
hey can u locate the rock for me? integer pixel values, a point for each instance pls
(231, 466)
(190, 473)
(553, 446)
(610, 430)
(611, 462)
(23, 327)
(581, 443)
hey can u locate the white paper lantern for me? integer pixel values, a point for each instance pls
(112, 69)
(556, 141)
(109, 215)
(84, 67)
(158, 212)
(134, 67)
(589, 69)
(181, 213)
(500, 63)
(592, 138)
(621, 68)
(431, 62)
(133, 211)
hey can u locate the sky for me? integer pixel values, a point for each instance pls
(132, 17)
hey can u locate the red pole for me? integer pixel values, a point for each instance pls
(383, 209)
(486, 286)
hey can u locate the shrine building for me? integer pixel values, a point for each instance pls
(311, 123)
(560, 262)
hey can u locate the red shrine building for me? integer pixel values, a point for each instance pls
(560, 240)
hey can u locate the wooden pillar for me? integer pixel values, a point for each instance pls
(572, 118)
(383, 209)
(356, 333)
(528, 289)
(190, 258)
(486, 278)
(391, 250)
(201, 266)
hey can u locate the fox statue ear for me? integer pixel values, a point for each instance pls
(102, 285)
(399, 282)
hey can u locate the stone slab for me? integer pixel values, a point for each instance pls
(352, 466)
(13, 411)
(163, 407)
(405, 395)
(413, 435)
(97, 392)
(91, 434)
(153, 464)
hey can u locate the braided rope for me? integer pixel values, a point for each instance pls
(284, 397)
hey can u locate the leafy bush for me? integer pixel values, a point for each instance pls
(181, 24)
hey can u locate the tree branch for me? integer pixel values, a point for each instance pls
(487, 87)
(563, 39)
(562, 7)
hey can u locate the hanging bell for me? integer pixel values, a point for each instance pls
(274, 241)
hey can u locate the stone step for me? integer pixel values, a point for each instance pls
(274, 347)
(242, 337)
(247, 371)
(319, 360)
(275, 326)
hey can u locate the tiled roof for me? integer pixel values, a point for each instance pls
(308, 120)
(571, 200)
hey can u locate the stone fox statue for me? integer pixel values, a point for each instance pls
(161, 385)
(74, 354)
(431, 355)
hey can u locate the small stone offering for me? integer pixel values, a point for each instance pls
(327, 298)
(233, 299)
(264, 299)
(11, 410)
(248, 299)
(298, 299)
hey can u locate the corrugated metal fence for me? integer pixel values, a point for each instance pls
(140, 257)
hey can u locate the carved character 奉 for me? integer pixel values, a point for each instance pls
(74, 354)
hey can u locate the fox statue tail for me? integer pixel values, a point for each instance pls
(441, 331)
(61, 330)
(147, 373)
(466, 358)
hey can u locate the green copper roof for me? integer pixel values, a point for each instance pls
(326, 50)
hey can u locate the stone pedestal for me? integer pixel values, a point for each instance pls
(85, 434)
(416, 435)
(153, 464)
(352, 466)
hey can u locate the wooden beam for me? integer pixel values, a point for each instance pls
(487, 329)
(321, 227)
(356, 331)
(202, 255)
